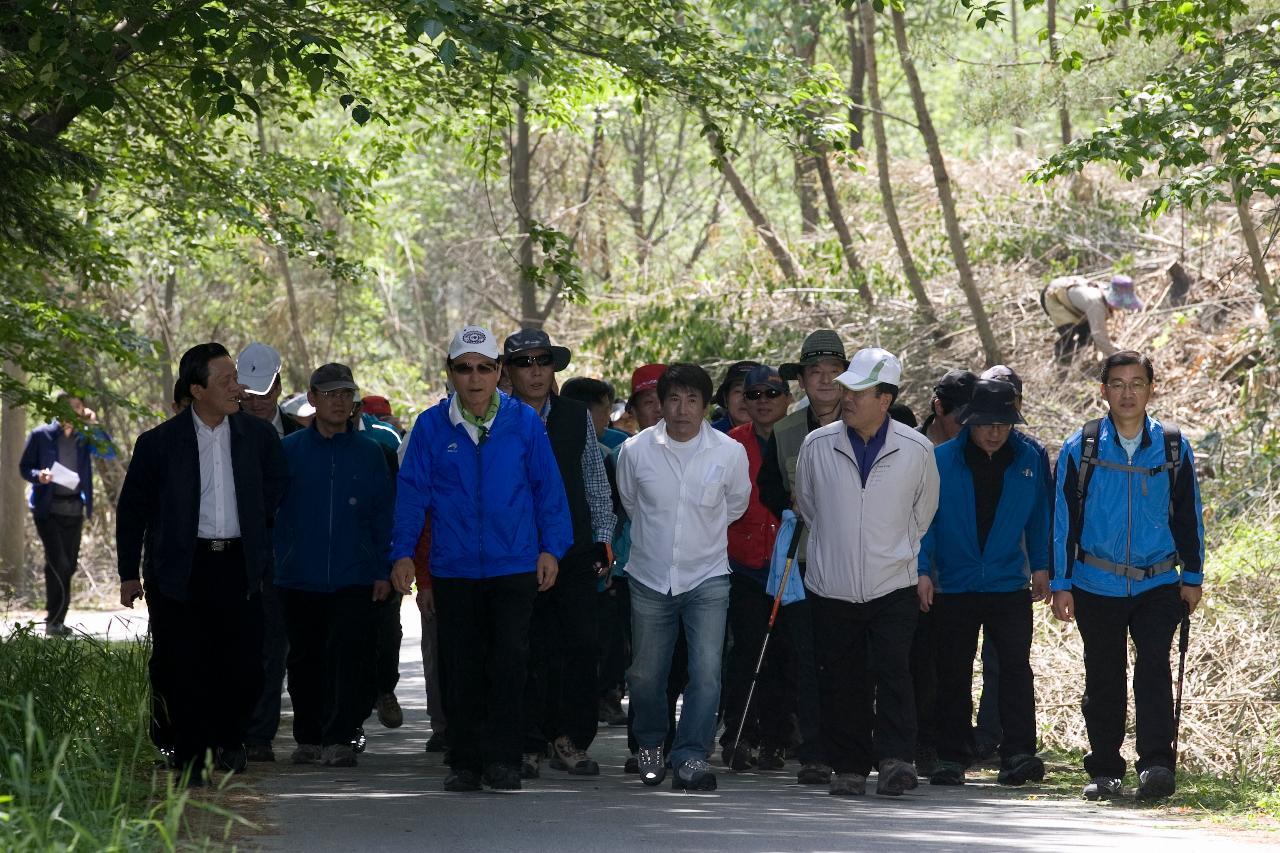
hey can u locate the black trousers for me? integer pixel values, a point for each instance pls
(265, 721)
(389, 635)
(864, 679)
(1005, 621)
(1106, 623)
(484, 653)
(60, 535)
(613, 620)
(924, 681)
(1071, 339)
(560, 694)
(206, 657)
(767, 723)
(331, 639)
(795, 629)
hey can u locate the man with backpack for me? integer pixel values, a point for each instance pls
(1128, 559)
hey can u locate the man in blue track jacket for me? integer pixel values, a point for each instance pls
(992, 525)
(1129, 559)
(481, 465)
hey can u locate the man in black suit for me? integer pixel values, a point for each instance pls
(200, 494)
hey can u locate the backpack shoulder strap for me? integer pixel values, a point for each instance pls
(1173, 457)
(1088, 457)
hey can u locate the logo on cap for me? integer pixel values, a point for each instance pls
(473, 336)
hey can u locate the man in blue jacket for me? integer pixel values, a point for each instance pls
(332, 537)
(992, 525)
(59, 509)
(481, 465)
(1128, 560)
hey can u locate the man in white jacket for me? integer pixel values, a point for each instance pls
(682, 483)
(867, 487)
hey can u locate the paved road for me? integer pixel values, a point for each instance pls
(394, 801)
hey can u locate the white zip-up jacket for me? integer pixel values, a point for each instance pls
(680, 519)
(864, 542)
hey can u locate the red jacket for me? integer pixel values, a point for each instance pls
(751, 537)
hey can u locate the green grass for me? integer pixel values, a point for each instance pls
(76, 763)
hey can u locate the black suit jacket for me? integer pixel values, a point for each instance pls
(159, 506)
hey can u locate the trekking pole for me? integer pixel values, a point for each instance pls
(768, 631)
(1184, 636)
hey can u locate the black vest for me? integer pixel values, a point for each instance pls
(567, 429)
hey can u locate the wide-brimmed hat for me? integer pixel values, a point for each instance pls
(1004, 373)
(531, 339)
(820, 344)
(1119, 294)
(992, 403)
(869, 368)
(736, 373)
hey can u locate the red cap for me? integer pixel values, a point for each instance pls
(375, 405)
(646, 377)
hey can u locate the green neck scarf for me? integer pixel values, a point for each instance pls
(489, 414)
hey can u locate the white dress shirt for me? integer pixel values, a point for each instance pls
(219, 516)
(680, 513)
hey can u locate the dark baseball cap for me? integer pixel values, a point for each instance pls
(531, 339)
(764, 376)
(955, 387)
(991, 403)
(332, 377)
(1005, 373)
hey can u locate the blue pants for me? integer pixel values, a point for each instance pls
(655, 619)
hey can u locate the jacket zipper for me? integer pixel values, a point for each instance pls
(483, 435)
(328, 569)
(1128, 530)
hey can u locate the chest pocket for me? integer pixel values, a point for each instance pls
(712, 491)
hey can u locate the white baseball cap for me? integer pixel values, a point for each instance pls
(869, 368)
(298, 406)
(257, 368)
(476, 339)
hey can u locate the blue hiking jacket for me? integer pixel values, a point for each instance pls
(333, 529)
(1018, 542)
(1127, 515)
(42, 451)
(494, 506)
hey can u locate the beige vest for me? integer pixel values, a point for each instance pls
(1057, 301)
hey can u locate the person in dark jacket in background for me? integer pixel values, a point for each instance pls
(480, 464)
(200, 494)
(992, 520)
(60, 509)
(728, 398)
(332, 538)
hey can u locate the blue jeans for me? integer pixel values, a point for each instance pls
(655, 619)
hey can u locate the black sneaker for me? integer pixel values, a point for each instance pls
(947, 773)
(462, 781)
(231, 759)
(260, 752)
(1156, 783)
(652, 765)
(771, 758)
(501, 777)
(738, 759)
(1103, 788)
(57, 629)
(694, 775)
(1021, 769)
(359, 742)
(436, 743)
(814, 773)
(895, 778)
(632, 765)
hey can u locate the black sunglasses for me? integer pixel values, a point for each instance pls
(757, 393)
(544, 360)
(485, 367)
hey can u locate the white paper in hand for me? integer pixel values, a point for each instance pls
(64, 476)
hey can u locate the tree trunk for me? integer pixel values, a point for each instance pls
(804, 38)
(522, 195)
(13, 490)
(1064, 115)
(952, 222)
(1266, 288)
(909, 270)
(856, 273)
(1017, 51)
(857, 77)
(166, 340)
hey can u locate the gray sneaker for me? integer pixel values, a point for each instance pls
(896, 777)
(306, 753)
(338, 755)
(847, 785)
(694, 775)
(653, 765)
(814, 773)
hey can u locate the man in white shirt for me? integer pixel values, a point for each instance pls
(682, 483)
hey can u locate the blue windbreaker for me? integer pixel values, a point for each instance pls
(1018, 541)
(333, 529)
(1127, 515)
(494, 506)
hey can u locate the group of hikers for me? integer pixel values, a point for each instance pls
(561, 562)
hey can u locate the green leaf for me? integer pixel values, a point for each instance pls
(226, 104)
(432, 28)
(360, 114)
(448, 52)
(346, 100)
(315, 79)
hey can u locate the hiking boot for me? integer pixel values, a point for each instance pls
(260, 752)
(694, 775)
(359, 742)
(1103, 788)
(771, 758)
(652, 765)
(306, 753)
(462, 781)
(566, 756)
(502, 777)
(632, 765)
(57, 629)
(1156, 783)
(814, 773)
(847, 785)
(611, 713)
(530, 764)
(895, 778)
(1021, 769)
(436, 743)
(338, 755)
(389, 713)
(737, 759)
(947, 773)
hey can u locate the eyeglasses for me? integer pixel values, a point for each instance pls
(757, 393)
(544, 360)
(1137, 386)
(339, 394)
(484, 368)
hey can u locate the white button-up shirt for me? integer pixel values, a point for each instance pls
(680, 514)
(219, 515)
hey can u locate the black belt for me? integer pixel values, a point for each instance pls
(217, 546)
